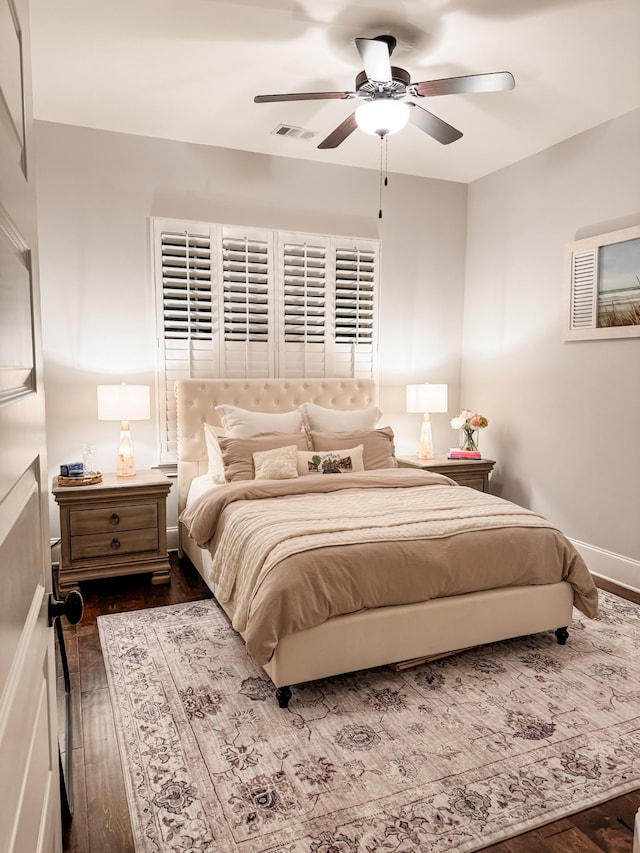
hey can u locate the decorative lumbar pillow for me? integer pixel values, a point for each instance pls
(338, 420)
(379, 448)
(237, 453)
(216, 465)
(242, 423)
(277, 464)
(330, 461)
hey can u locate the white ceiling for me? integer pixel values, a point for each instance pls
(188, 70)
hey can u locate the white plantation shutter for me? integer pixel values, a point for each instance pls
(302, 307)
(187, 316)
(356, 273)
(247, 343)
(238, 302)
(584, 291)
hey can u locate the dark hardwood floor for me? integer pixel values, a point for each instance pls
(101, 819)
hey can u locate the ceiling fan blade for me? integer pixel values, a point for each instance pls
(375, 58)
(340, 133)
(303, 96)
(434, 126)
(500, 81)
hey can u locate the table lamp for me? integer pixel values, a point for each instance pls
(426, 398)
(124, 403)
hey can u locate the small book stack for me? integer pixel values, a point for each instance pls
(456, 453)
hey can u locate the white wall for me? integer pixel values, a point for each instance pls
(96, 192)
(564, 417)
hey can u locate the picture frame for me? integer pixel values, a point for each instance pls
(602, 286)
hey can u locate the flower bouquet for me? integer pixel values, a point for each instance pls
(469, 423)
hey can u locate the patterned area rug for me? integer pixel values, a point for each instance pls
(451, 756)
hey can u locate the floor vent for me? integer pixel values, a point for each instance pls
(293, 132)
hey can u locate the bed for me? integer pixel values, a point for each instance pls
(392, 633)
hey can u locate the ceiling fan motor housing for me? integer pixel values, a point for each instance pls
(396, 87)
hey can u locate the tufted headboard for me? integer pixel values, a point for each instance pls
(196, 400)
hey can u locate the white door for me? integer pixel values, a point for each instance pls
(29, 778)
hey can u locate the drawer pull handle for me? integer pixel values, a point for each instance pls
(115, 544)
(115, 519)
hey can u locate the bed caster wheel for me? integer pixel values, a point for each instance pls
(562, 635)
(283, 694)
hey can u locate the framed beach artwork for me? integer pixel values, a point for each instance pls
(602, 298)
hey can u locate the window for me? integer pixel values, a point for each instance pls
(235, 302)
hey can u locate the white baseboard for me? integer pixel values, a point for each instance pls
(609, 566)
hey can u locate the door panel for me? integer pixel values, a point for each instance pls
(18, 547)
(29, 777)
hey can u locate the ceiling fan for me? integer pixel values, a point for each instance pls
(383, 88)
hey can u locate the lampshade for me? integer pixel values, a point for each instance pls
(427, 398)
(382, 116)
(124, 403)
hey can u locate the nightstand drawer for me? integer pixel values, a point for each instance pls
(472, 482)
(112, 519)
(114, 544)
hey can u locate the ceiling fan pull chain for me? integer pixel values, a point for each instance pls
(382, 140)
(384, 180)
(386, 157)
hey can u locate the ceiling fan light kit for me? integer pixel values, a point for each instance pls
(382, 116)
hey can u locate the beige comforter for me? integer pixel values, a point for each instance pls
(289, 554)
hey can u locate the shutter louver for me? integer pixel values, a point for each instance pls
(186, 286)
(304, 282)
(584, 274)
(245, 265)
(354, 296)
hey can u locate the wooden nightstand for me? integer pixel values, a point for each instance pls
(116, 527)
(468, 472)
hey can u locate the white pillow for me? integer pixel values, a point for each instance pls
(338, 420)
(242, 423)
(330, 461)
(216, 465)
(277, 464)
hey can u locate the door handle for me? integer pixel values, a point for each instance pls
(72, 607)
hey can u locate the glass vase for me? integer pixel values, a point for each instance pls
(89, 458)
(468, 438)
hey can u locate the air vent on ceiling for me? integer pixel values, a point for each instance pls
(293, 132)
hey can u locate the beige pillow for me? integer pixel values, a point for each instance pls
(379, 448)
(242, 423)
(278, 464)
(338, 420)
(330, 461)
(216, 465)
(237, 453)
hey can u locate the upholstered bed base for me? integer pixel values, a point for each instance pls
(393, 634)
(371, 637)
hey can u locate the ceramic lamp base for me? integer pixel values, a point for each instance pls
(425, 450)
(126, 466)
